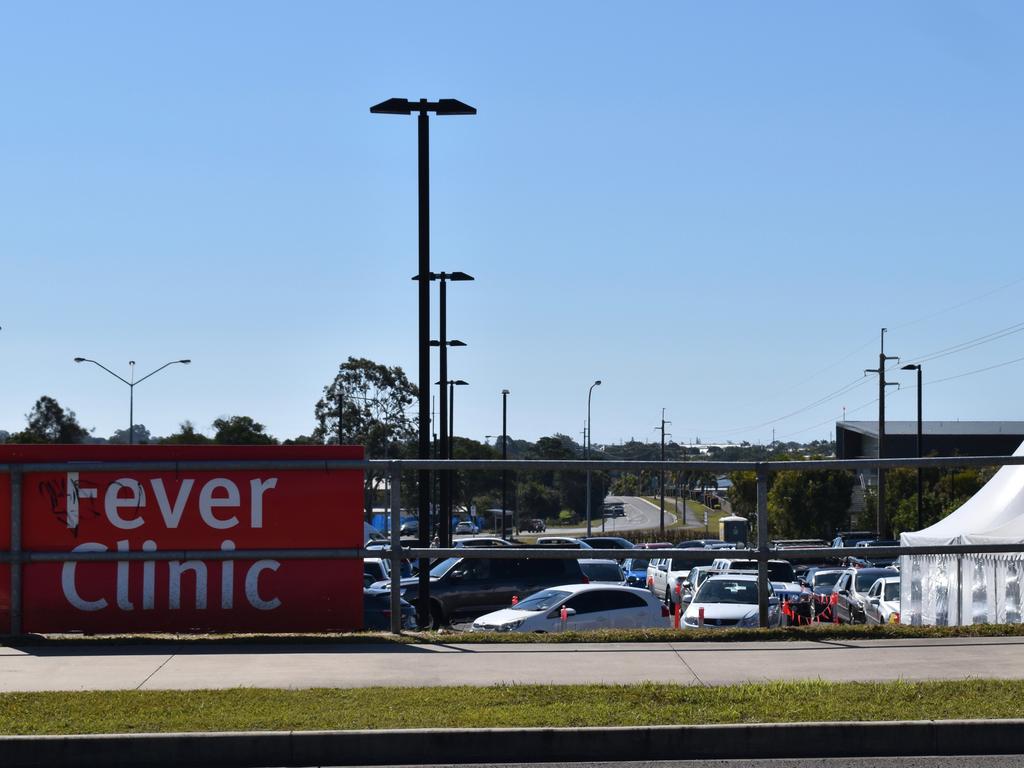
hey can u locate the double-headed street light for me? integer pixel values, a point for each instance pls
(423, 107)
(445, 520)
(917, 367)
(586, 449)
(131, 387)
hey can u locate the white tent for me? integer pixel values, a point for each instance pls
(969, 589)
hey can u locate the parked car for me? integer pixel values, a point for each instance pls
(635, 571)
(463, 588)
(608, 542)
(851, 592)
(853, 538)
(883, 601)
(821, 582)
(664, 574)
(482, 541)
(563, 542)
(466, 526)
(377, 610)
(602, 571)
(410, 527)
(778, 570)
(534, 525)
(379, 569)
(588, 606)
(728, 600)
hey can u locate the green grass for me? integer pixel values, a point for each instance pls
(500, 706)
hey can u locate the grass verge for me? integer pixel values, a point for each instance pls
(503, 706)
(819, 632)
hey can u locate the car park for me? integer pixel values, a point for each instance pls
(728, 600)
(602, 571)
(462, 588)
(587, 607)
(851, 592)
(882, 605)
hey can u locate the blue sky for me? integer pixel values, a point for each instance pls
(712, 207)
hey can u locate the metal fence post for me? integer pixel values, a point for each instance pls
(16, 562)
(762, 544)
(395, 471)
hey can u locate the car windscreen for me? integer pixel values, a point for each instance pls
(827, 579)
(608, 571)
(866, 578)
(541, 601)
(683, 564)
(443, 567)
(727, 591)
(781, 572)
(892, 591)
(636, 564)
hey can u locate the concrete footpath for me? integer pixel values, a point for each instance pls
(90, 666)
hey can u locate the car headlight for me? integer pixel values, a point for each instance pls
(750, 620)
(690, 621)
(509, 626)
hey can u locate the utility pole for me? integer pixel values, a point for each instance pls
(881, 518)
(662, 478)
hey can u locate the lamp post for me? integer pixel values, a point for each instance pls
(504, 457)
(131, 387)
(444, 524)
(586, 449)
(423, 107)
(917, 367)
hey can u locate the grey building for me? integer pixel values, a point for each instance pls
(859, 439)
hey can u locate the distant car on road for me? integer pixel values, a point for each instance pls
(587, 606)
(534, 525)
(466, 526)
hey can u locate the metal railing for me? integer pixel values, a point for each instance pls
(16, 557)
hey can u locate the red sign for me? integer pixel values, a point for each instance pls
(153, 511)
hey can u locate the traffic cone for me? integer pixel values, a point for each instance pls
(700, 617)
(564, 616)
(678, 615)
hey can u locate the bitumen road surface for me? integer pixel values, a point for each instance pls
(640, 515)
(196, 665)
(962, 761)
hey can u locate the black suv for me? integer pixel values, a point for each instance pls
(465, 588)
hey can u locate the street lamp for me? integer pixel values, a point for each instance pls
(131, 387)
(444, 528)
(917, 367)
(586, 449)
(504, 456)
(423, 107)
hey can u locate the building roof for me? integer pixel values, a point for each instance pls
(870, 428)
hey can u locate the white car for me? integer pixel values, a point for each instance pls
(728, 600)
(466, 526)
(883, 601)
(482, 541)
(565, 542)
(588, 606)
(664, 574)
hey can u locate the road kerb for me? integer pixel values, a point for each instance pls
(380, 747)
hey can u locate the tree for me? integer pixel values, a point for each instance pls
(139, 432)
(809, 504)
(367, 404)
(241, 430)
(50, 423)
(186, 435)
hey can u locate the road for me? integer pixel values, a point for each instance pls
(978, 761)
(195, 665)
(640, 515)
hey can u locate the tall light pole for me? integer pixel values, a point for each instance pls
(881, 518)
(662, 479)
(917, 367)
(504, 457)
(444, 524)
(131, 387)
(423, 107)
(586, 449)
